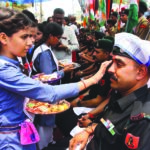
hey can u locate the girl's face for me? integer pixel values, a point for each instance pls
(17, 45)
(38, 36)
(53, 40)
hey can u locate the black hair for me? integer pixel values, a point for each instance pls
(110, 21)
(11, 21)
(114, 14)
(142, 7)
(67, 20)
(30, 15)
(49, 18)
(59, 11)
(50, 28)
(41, 26)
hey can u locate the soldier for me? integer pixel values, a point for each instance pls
(125, 122)
(124, 18)
(142, 28)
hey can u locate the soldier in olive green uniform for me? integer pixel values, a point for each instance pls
(142, 28)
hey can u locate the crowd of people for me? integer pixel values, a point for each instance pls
(108, 90)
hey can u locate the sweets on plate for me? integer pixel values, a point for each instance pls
(37, 107)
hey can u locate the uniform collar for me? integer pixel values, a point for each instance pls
(15, 62)
(122, 103)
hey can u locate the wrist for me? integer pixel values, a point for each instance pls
(91, 116)
(89, 130)
(79, 103)
(81, 97)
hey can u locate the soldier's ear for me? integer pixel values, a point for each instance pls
(3, 38)
(142, 72)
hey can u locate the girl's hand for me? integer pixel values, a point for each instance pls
(98, 76)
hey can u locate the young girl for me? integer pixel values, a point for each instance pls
(15, 86)
(44, 61)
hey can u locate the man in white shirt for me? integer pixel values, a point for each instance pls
(68, 42)
(73, 25)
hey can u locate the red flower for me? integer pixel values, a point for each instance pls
(26, 65)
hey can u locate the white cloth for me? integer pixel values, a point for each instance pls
(75, 28)
(80, 110)
(46, 136)
(76, 130)
(68, 39)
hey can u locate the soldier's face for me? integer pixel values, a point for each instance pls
(124, 73)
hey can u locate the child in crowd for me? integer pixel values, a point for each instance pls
(45, 61)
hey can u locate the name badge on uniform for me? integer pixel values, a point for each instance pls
(108, 124)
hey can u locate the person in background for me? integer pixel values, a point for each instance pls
(125, 121)
(114, 16)
(98, 92)
(110, 28)
(49, 19)
(38, 37)
(15, 86)
(147, 15)
(66, 21)
(142, 28)
(68, 41)
(44, 61)
(73, 25)
(124, 18)
(40, 31)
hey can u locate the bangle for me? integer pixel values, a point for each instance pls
(84, 84)
(91, 115)
(81, 97)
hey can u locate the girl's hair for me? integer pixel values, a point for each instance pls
(11, 21)
(41, 26)
(50, 28)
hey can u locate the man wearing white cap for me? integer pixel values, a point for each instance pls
(126, 119)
